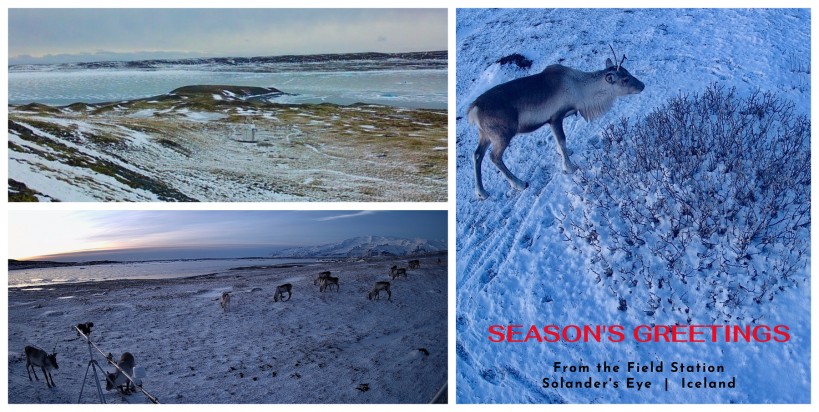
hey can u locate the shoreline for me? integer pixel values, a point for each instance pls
(313, 261)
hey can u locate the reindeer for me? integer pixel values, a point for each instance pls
(321, 276)
(526, 104)
(327, 282)
(375, 292)
(118, 379)
(280, 292)
(225, 301)
(414, 264)
(38, 357)
(397, 272)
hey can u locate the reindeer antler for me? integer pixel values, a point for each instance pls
(613, 54)
(615, 58)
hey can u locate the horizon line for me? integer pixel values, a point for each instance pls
(204, 56)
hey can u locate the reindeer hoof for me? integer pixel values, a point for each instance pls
(482, 194)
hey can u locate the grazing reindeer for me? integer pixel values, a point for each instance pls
(225, 301)
(524, 105)
(38, 357)
(280, 292)
(327, 282)
(414, 264)
(375, 292)
(118, 379)
(321, 276)
(397, 272)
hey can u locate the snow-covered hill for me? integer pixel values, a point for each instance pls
(174, 147)
(368, 246)
(515, 266)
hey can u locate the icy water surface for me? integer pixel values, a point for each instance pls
(137, 270)
(422, 88)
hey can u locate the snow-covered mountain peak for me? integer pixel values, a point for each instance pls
(367, 246)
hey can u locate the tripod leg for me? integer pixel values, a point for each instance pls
(97, 379)
(82, 388)
(92, 364)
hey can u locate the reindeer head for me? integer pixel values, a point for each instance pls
(52, 359)
(620, 79)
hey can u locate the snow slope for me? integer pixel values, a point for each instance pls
(514, 267)
(331, 347)
(174, 147)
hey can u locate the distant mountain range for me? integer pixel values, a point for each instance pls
(332, 62)
(367, 246)
(364, 246)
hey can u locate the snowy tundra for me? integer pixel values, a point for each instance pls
(331, 347)
(515, 267)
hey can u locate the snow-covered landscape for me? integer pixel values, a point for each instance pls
(334, 346)
(375, 134)
(521, 259)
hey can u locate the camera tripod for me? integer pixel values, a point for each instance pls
(92, 365)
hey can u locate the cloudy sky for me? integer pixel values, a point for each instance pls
(65, 35)
(142, 235)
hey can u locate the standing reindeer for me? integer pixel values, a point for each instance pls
(279, 295)
(414, 264)
(328, 281)
(526, 104)
(397, 272)
(38, 357)
(118, 379)
(321, 276)
(375, 292)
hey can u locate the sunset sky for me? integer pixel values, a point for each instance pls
(81, 35)
(145, 235)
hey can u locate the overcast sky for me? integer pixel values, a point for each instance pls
(62, 35)
(142, 235)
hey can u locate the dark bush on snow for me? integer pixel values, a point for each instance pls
(699, 211)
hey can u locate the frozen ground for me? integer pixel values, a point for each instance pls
(331, 347)
(514, 266)
(195, 145)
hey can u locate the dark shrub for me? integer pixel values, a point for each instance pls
(700, 210)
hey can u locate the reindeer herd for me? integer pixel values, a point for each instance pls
(326, 282)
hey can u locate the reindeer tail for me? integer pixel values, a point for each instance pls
(472, 115)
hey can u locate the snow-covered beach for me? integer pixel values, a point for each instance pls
(330, 347)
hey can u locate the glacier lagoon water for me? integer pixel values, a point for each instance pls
(161, 269)
(419, 88)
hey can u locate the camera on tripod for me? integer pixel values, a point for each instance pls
(127, 377)
(85, 328)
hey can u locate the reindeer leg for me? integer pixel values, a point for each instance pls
(483, 144)
(560, 138)
(45, 373)
(497, 158)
